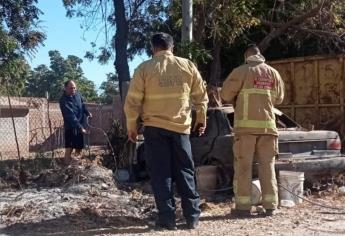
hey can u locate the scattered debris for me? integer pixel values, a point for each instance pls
(84, 198)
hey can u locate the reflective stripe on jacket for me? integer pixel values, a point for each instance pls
(254, 89)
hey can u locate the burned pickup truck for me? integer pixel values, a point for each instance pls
(315, 151)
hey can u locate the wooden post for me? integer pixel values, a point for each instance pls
(50, 125)
(293, 92)
(317, 100)
(341, 84)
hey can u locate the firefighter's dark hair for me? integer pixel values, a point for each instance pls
(162, 41)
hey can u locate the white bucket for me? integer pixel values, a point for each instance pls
(292, 181)
(256, 192)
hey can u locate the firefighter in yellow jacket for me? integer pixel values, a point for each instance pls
(254, 88)
(162, 93)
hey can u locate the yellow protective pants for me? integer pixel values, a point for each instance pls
(264, 148)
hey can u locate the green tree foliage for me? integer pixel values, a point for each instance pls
(125, 24)
(223, 28)
(109, 89)
(20, 19)
(301, 28)
(50, 79)
(290, 29)
(19, 35)
(13, 67)
(193, 51)
(281, 28)
(216, 24)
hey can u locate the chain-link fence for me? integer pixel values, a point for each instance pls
(33, 126)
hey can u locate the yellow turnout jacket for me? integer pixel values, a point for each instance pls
(162, 93)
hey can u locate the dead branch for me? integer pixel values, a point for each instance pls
(301, 28)
(137, 5)
(285, 26)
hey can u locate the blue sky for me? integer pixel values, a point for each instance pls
(66, 36)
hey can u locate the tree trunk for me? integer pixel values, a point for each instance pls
(187, 20)
(199, 23)
(121, 42)
(216, 65)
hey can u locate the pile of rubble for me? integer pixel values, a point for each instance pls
(84, 196)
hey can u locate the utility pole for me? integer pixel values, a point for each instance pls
(187, 20)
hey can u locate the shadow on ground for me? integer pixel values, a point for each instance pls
(81, 223)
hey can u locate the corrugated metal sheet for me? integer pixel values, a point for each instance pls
(314, 88)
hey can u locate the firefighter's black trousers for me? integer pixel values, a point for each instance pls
(169, 159)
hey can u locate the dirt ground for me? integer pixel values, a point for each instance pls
(86, 202)
(109, 214)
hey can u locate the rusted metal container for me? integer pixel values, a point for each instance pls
(314, 91)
